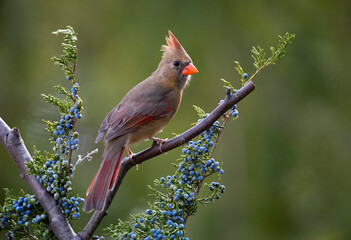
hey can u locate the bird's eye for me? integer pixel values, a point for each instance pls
(176, 63)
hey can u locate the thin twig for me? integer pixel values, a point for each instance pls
(30, 236)
(89, 156)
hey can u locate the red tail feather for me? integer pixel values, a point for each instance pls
(106, 177)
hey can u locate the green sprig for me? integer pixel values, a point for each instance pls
(63, 105)
(259, 56)
(68, 60)
(228, 85)
(201, 113)
(62, 90)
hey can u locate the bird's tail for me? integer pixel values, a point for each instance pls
(106, 177)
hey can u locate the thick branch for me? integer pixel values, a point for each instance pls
(155, 150)
(14, 145)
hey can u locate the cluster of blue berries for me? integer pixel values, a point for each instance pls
(217, 189)
(234, 112)
(62, 140)
(19, 213)
(154, 224)
(197, 162)
(74, 94)
(70, 206)
(63, 137)
(54, 177)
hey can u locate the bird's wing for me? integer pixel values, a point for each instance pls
(126, 118)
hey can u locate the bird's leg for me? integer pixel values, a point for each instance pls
(131, 154)
(159, 142)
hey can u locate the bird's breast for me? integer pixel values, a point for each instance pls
(149, 130)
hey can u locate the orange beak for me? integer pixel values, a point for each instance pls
(189, 69)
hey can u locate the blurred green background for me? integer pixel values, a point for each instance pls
(287, 159)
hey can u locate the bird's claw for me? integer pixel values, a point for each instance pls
(159, 142)
(131, 154)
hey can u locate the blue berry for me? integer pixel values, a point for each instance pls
(245, 75)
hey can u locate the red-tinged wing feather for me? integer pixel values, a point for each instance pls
(125, 119)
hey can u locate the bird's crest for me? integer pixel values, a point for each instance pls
(172, 43)
(173, 48)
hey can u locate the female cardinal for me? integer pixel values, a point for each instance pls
(143, 112)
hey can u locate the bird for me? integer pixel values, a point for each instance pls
(143, 112)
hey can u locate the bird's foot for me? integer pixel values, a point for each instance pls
(159, 142)
(131, 154)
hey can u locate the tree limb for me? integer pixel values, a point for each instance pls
(14, 145)
(156, 150)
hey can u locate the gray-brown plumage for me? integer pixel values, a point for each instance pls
(144, 111)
